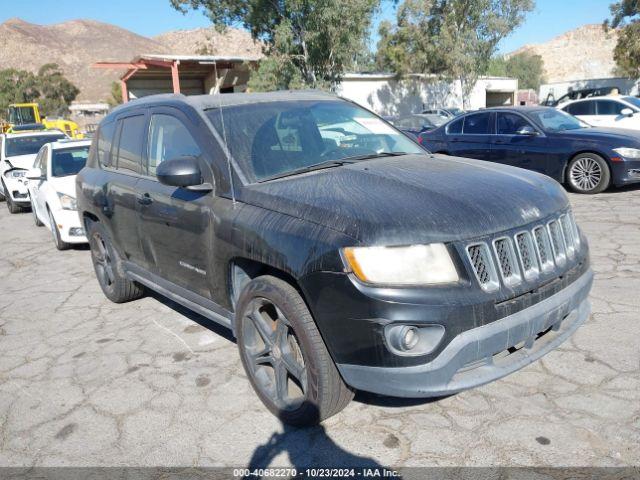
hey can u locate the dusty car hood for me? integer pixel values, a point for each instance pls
(22, 161)
(66, 185)
(413, 198)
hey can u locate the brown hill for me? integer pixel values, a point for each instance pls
(579, 54)
(77, 44)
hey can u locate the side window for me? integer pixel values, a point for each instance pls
(609, 107)
(477, 124)
(130, 144)
(105, 139)
(168, 138)
(581, 108)
(510, 123)
(455, 128)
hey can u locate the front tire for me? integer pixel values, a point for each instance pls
(284, 355)
(108, 267)
(36, 220)
(57, 240)
(588, 173)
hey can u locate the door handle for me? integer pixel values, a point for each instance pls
(144, 199)
(500, 142)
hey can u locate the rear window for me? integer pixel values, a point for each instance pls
(581, 108)
(28, 145)
(609, 107)
(455, 128)
(130, 145)
(477, 124)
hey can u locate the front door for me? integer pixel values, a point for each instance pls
(511, 147)
(175, 223)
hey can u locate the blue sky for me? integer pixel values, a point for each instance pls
(152, 17)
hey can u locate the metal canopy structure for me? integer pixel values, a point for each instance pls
(189, 74)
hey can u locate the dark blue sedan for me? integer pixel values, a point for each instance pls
(545, 140)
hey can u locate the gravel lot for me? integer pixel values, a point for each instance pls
(85, 382)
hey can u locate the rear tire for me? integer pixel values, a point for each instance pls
(108, 267)
(588, 173)
(57, 240)
(278, 339)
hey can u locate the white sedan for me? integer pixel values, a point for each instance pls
(52, 190)
(17, 153)
(611, 111)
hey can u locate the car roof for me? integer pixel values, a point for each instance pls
(68, 143)
(204, 102)
(33, 133)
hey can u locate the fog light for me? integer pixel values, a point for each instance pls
(411, 340)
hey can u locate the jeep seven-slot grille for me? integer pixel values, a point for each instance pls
(539, 250)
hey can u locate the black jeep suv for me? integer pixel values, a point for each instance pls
(340, 254)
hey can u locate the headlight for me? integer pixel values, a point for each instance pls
(410, 265)
(628, 152)
(67, 201)
(17, 173)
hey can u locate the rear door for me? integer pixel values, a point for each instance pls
(585, 110)
(474, 139)
(125, 171)
(512, 148)
(175, 222)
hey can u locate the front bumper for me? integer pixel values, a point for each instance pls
(16, 189)
(69, 226)
(627, 172)
(485, 353)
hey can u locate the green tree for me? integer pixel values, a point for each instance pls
(116, 94)
(56, 92)
(455, 39)
(49, 88)
(309, 43)
(527, 67)
(626, 15)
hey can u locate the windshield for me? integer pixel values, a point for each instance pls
(29, 144)
(68, 161)
(270, 139)
(21, 115)
(635, 101)
(556, 120)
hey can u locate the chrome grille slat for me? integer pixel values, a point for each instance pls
(557, 243)
(526, 251)
(507, 262)
(482, 264)
(567, 232)
(543, 248)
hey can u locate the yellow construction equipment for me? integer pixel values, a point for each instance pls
(20, 114)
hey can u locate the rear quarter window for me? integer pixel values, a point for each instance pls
(455, 128)
(104, 142)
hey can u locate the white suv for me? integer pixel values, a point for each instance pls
(52, 190)
(17, 153)
(613, 111)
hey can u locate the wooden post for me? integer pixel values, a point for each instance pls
(175, 77)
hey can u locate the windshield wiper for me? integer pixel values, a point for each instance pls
(310, 168)
(370, 156)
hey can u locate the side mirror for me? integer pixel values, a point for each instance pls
(627, 112)
(527, 130)
(35, 174)
(183, 172)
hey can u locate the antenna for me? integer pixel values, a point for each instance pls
(224, 134)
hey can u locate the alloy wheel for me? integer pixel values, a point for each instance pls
(104, 262)
(274, 355)
(586, 173)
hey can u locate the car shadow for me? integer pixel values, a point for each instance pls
(376, 400)
(309, 448)
(203, 321)
(626, 188)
